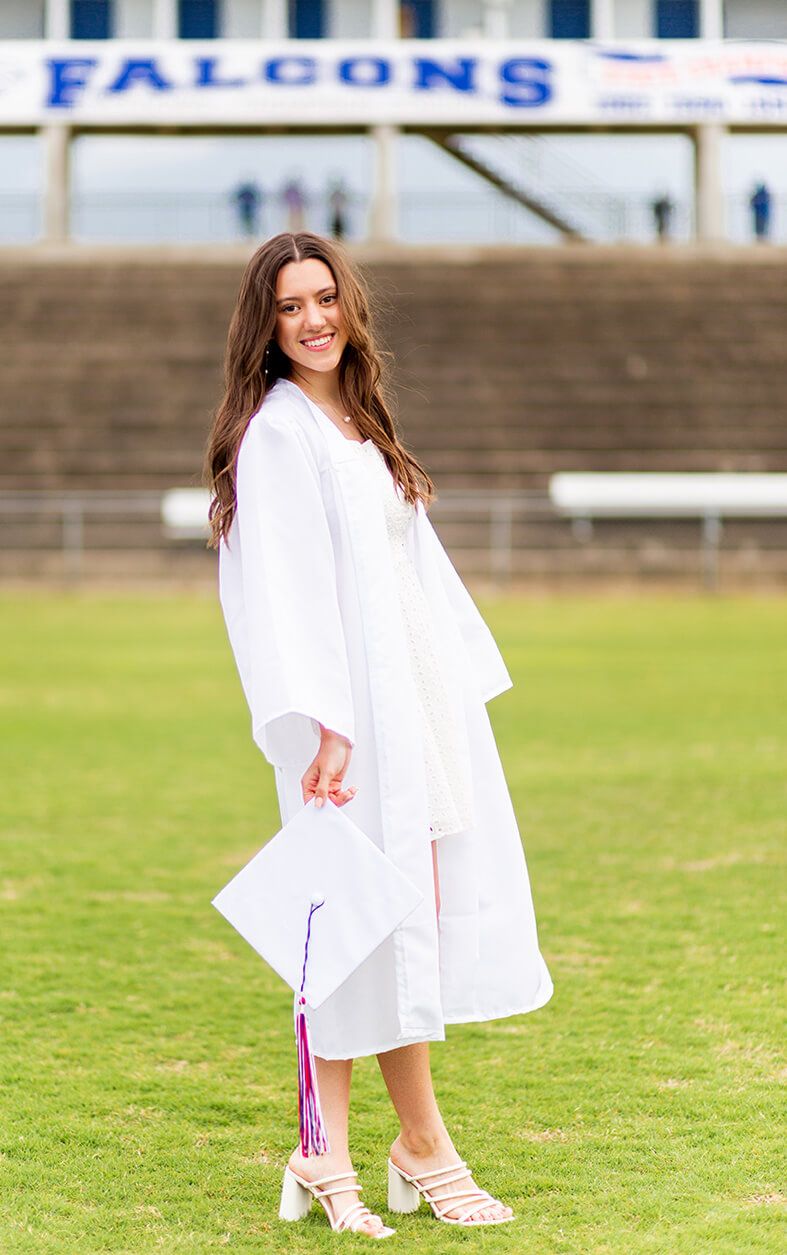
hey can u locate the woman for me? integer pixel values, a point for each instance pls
(366, 667)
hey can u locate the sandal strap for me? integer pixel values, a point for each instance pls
(337, 1176)
(475, 1199)
(487, 1202)
(449, 1179)
(436, 1172)
(440, 1198)
(337, 1189)
(351, 1217)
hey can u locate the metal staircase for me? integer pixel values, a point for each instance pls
(525, 169)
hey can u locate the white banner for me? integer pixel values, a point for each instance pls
(453, 83)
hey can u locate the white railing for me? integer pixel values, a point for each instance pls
(710, 497)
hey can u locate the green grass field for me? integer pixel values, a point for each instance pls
(146, 1053)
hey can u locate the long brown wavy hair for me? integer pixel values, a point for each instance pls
(253, 362)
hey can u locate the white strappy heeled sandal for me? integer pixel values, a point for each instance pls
(405, 1193)
(297, 1194)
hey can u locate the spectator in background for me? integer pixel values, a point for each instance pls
(295, 203)
(760, 203)
(337, 205)
(663, 209)
(247, 199)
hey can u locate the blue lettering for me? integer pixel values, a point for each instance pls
(291, 71)
(460, 74)
(364, 71)
(139, 72)
(530, 75)
(207, 76)
(67, 79)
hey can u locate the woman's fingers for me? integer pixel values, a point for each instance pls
(323, 778)
(340, 796)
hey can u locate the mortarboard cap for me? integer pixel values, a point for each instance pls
(315, 902)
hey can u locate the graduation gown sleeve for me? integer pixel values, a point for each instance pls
(279, 594)
(485, 660)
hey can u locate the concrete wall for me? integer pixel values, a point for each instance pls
(349, 19)
(756, 19)
(21, 19)
(460, 18)
(634, 19)
(529, 19)
(241, 19)
(133, 19)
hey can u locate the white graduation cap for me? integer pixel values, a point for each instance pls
(314, 903)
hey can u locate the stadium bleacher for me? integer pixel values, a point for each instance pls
(511, 365)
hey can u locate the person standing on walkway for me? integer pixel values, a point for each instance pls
(761, 205)
(294, 199)
(337, 207)
(247, 199)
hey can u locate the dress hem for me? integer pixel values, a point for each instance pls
(472, 1018)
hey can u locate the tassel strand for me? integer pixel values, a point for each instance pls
(310, 1119)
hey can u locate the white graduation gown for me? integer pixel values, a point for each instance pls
(312, 613)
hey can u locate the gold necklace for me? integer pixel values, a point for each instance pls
(345, 418)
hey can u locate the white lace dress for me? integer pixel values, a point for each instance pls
(447, 767)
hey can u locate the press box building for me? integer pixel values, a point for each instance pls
(696, 66)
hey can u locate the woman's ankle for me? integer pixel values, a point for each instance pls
(332, 1160)
(424, 1143)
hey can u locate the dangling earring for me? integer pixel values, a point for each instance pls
(265, 362)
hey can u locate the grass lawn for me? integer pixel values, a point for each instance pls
(146, 1057)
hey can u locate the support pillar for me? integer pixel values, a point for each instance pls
(385, 19)
(383, 211)
(165, 19)
(711, 19)
(602, 19)
(57, 193)
(708, 184)
(497, 14)
(274, 19)
(57, 19)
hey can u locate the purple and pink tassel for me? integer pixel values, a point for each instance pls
(310, 1120)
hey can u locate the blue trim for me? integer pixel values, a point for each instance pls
(569, 19)
(91, 19)
(307, 19)
(198, 19)
(677, 19)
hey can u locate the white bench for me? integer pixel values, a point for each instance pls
(184, 513)
(709, 496)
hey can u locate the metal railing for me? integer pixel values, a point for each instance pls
(75, 522)
(484, 532)
(484, 216)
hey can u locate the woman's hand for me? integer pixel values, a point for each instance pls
(323, 777)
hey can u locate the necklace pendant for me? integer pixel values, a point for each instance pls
(347, 418)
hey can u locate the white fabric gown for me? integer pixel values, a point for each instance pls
(445, 751)
(309, 582)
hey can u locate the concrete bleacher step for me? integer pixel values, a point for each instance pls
(509, 367)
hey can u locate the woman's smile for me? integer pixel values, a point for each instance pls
(318, 343)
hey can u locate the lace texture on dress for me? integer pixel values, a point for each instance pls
(447, 767)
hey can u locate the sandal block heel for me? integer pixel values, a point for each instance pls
(295, 1200)
(402, 1196)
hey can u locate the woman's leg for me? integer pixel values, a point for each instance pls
(333, 1079)
(423, 1143)
(436, 871)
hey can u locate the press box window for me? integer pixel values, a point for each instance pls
(91, 19)
(198, 19)
(677, 19)
(569, 19)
